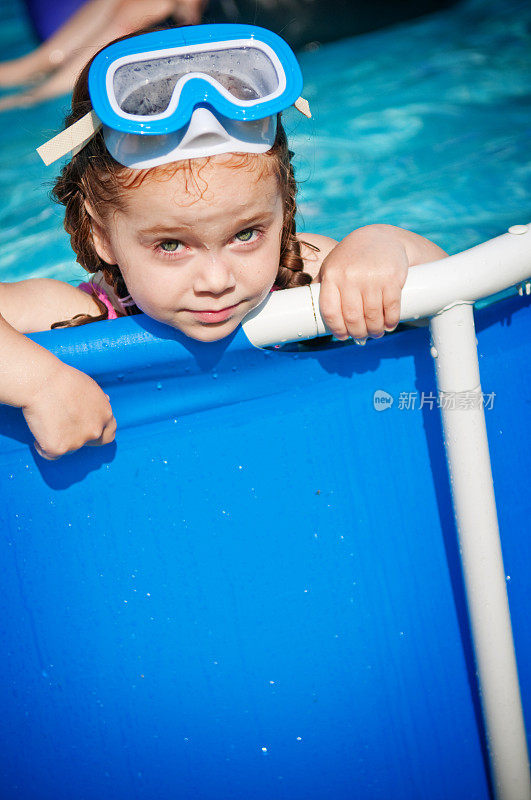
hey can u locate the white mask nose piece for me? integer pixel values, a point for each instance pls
(204, 133)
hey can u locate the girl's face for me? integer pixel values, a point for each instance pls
(198, 251)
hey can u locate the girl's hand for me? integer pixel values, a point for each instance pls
(67, 411)
(361, 283)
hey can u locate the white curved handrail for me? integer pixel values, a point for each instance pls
(468, 276)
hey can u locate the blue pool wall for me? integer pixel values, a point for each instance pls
(255, 591)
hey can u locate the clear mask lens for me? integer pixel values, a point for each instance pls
(145, 88)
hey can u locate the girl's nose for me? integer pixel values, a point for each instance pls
(214, 274)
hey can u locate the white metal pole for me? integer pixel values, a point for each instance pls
(454, 348)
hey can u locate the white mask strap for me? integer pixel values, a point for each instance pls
(303, 106)
(70, 140)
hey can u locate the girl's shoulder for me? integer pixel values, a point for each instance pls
(314, 249)
(34, 304)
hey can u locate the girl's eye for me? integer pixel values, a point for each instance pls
(170, 247)
(246, 235)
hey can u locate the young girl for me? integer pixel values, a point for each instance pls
(183, 207)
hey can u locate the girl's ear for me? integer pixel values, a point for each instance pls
(101, 241)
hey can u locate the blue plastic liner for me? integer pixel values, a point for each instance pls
(256, 591)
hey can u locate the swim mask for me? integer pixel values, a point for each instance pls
(185, 93)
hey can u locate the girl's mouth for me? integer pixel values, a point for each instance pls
(214, 316)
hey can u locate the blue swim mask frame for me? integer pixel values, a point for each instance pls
(186, 92)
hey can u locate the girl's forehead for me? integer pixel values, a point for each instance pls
(240, 178)
(246, 167)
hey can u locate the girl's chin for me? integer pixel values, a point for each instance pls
(211, 332)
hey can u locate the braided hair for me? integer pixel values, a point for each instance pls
(93, 175)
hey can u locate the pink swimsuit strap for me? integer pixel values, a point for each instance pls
(101, 294)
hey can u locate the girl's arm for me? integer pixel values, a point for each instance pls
(63, 407)
(362, 278)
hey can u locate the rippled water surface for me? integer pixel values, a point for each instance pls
(425, 125)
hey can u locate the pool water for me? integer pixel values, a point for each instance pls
(425, 125)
